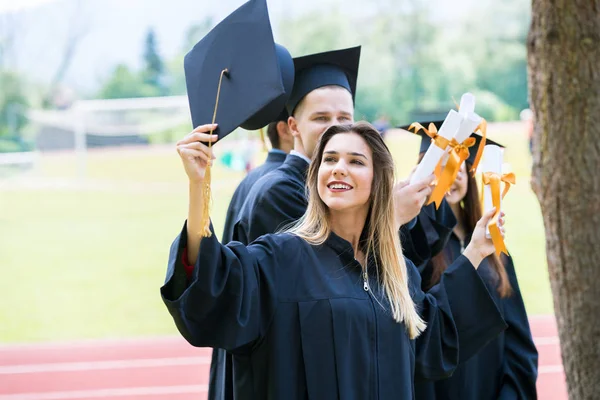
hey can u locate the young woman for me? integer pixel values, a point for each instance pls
(507, 367)
(330, 308)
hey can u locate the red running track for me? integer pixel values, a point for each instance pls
(168, 368)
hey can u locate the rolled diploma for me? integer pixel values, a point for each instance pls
(469, 123)
(467, 103)
(491, 161)
(434, 153)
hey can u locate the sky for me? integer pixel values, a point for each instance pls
(114, 30)
(19, 5)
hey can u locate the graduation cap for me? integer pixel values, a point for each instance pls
(237, 76)
(239, 61)
(337, 67)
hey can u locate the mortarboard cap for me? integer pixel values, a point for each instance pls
(337, 67)
(283, 116)
(237, 76)
(260, 73)
(426, 140)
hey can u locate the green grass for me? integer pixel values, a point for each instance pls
(87, 262)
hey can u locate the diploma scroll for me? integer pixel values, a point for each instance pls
(491, 163)
(493, 193)
(435, 153)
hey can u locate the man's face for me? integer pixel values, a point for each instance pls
(320, 109)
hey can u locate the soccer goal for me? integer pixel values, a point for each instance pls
(102, 123)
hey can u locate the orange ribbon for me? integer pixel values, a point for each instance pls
(481, 130)
(458, 154)
(436, 139)
(495, 180)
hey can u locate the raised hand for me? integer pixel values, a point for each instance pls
(195, 154)
(408, 199)
(480, 246)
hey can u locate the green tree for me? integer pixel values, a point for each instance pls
(498, 51)
(13, 104)
(124, 83)
(153, 73)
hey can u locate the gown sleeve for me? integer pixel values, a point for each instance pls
(428, 235)
(461, 318)
(230, 298)
(277, 206)
(520, 354)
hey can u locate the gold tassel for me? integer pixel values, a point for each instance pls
(207, 196)
(207, 192)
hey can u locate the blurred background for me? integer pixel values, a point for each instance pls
(92, 99)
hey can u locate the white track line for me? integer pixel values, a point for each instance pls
(102, 365)
(120, 342)
(546, 340)
(150, 362)
(547, 369)
(108, 393)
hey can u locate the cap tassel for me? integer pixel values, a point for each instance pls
(207, 192)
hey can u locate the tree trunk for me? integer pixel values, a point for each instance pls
(564, 85)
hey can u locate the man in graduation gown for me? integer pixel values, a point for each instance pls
(323, 95)
(281, 144)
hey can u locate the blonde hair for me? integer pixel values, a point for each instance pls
(382, 240)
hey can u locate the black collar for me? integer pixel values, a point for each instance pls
(276, 156)
(297, 165)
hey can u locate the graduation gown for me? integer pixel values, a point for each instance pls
(300, 324)
(275, 200)
(220, 373)
(504, 369)
(427, 235)
(274, 159)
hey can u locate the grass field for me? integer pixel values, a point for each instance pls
(85, 259)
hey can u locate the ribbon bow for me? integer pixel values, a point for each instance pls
(495, 180)
(481, 130)
(432, 132)
(458, 154)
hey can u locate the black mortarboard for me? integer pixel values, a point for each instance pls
(283, 116)
(426, 140)
(337, 67)
(260, 72)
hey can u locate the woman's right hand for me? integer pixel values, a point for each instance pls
(195, 154)
(480, 246)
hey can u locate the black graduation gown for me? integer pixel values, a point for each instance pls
(504, 369)
(220, 373)
(300, 325)
(277, 199)
(428, 234)
(271, 202)
(273, 161)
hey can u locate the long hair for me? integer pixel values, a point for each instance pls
(471, 213)
(382, 242)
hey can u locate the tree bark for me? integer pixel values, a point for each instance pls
(564, 86)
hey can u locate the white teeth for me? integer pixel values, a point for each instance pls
(339, 186)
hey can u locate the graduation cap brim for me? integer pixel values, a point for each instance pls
(337, 67)
(260, 72)
(426, 140)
